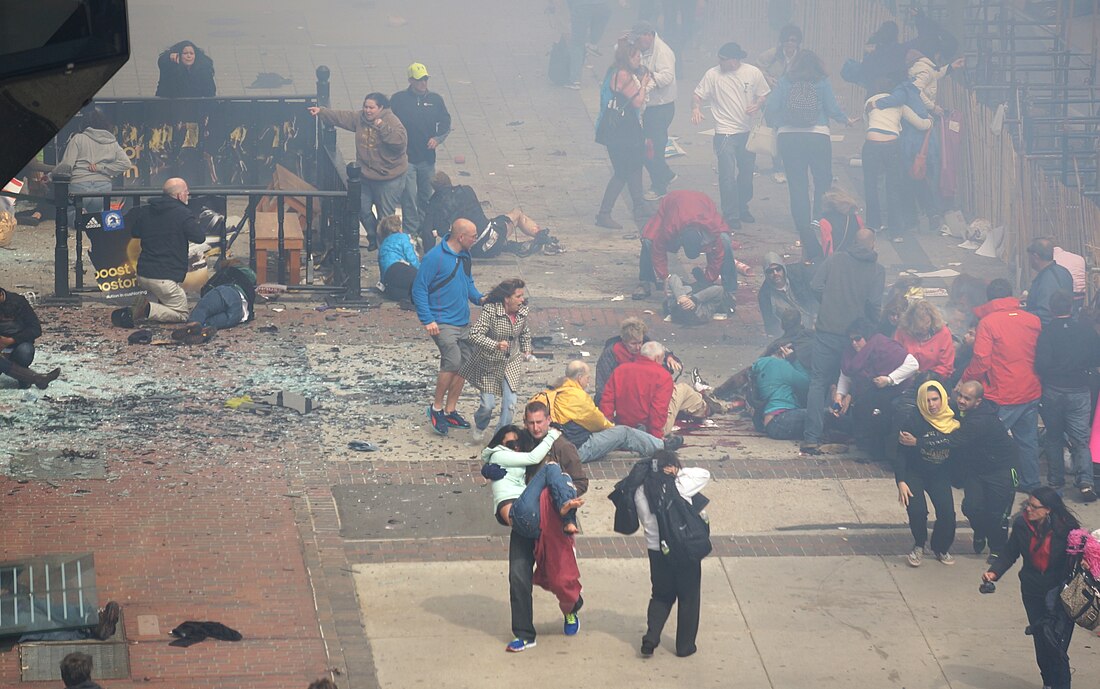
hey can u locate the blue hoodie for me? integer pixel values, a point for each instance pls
(446, 305)
(395, 248)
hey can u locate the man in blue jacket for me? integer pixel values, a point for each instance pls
(442, 293)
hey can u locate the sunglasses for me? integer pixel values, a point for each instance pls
(512, 445)
(772, 271)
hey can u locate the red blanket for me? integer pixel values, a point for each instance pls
(555, 560)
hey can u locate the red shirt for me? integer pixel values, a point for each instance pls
(936, 354)
(677, 210)
(1004, 352)
(638, 394)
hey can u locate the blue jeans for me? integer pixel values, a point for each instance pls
(828, 349)
(385, 194)
(21, 354)
(735, 168)
(484, 413)
(790, 425)
(1066, 415)
(588, 19)
(92, 204)
(1023, 421)
(600, 443)
(525, 510)
(221, 307)
(414, 200)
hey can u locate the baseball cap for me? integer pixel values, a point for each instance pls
(417, 71)
(731, 51)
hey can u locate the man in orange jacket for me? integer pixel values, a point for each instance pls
(1004, 362)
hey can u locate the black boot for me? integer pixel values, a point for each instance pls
(25, 375)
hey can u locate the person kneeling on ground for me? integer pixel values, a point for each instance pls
(19, 328)
(781, 386)
(397, 260)
(641, 393)
(228, 299)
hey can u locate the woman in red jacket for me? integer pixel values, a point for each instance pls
(924, 334)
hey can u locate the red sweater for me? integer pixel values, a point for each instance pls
(1004, 352)
(936, 354)
(638, 394)
(677, 210)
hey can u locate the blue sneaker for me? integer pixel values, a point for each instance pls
(572, 624)
(519, 645)
(438, 420)
(455, 419)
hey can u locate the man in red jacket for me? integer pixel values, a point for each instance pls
(1004, 362)
(641, 393)
(687, 220)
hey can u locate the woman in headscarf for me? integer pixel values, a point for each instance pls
(1039, 536)
(500, 339)
(922, 468)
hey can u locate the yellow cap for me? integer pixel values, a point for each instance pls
(417, 71)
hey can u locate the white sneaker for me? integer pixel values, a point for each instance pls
(720, 317)
(945, 558)
(651, 196)
(914, 556)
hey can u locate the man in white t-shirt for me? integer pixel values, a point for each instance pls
(736, 91)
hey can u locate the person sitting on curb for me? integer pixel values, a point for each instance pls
(19, 328)
(585, 425)
(781, 386)
(641, 393)
(686, 306)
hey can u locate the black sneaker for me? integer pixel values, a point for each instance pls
(746, 216)
(455, 419)
(647, 649)
(438, 420)
(1088, 494)
(979, 545)
(673, 442)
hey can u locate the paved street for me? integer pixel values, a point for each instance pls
(387, 568)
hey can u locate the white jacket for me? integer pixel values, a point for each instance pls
(689, 481)
(889, 119)
(926, 75)
(661, 61)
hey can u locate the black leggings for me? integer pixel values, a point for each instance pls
(672, 582)
(938, 487)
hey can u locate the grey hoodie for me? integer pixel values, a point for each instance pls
(93, 146)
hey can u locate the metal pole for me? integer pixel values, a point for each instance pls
(350, 254)
(61, 237)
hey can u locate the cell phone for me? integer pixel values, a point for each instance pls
(836, 407)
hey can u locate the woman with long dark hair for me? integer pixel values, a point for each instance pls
(625, 84)
(185, 72)
(800, 108)
(1039, 536)
(501, 339)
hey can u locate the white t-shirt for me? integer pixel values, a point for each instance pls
(730, 93)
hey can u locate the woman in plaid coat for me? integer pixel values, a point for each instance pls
(501, 338)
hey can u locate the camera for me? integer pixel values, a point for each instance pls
(987, 587)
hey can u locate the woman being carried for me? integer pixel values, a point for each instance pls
(515, 501)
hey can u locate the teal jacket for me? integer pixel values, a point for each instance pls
(784, 385)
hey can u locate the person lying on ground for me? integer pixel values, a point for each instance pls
(228, 299)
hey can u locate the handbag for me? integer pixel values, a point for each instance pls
(618, 124)
(762, 140)
(919, 168)
(1081, 597)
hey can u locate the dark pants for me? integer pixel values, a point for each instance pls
(882, 164)
(673, 582)
(987, 503)
(1052, 659)
(735, 168)
(22, 354)
(221, 307)
(588, 19)
(655, 122)
(828, 349)
(1067, 414)
(728, 271)
(806, 154)
(398, 281)
(521, 566)
(790, 425)
(626, 164)
(938, 487)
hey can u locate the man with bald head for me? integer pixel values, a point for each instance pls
(165, 226)
(442, 293)
(983, 455)
(849, 284)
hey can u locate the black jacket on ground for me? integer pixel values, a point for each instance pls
(424, 116)
(1032, 581)
(164, 226)
(1065, 352)
(981, 446)
(18, 320)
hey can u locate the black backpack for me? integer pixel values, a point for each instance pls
(684, 528)
(803, 104)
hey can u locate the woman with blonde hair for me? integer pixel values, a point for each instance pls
(836, 229)
(397, 259)
(924, 334)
